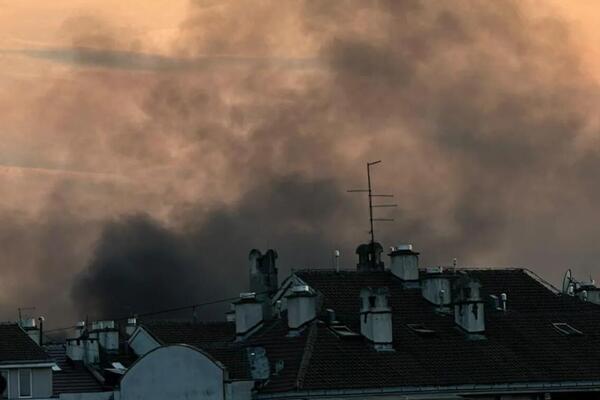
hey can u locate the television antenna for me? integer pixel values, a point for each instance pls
(369, 190)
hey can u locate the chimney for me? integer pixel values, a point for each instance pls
(30, 327)
(107, 335)
(83, 348)
(131, 326)
(301, 307)
(369, 257)
(376, 318)
(230, 315)
(436, 286)
(263, 278)
(468, 307)
(79, 328)
(405, 262)
(248, 314)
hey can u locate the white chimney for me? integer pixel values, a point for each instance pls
(404, 262)
(436, 286)
(376, 318)
(468, 308)
(248, 313)
(107, 334)
(301, 306)
(29, 325)
(85, 350)
(79, 328)
(131, 326)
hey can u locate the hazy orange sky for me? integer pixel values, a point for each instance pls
(209, 117)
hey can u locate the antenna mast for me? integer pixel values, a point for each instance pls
(369, 190)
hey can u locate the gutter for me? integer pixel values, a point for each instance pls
(566, 386)
(44, 364)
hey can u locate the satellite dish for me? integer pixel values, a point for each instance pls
(567, 281)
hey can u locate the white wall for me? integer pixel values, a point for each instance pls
(41, 383)
(174, 372)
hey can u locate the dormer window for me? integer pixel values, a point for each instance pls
(566, 329)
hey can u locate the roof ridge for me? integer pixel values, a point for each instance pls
(306, 354)
(175, 322)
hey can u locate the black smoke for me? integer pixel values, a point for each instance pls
(481, 111)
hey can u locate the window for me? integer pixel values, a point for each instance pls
(343, 331)
(25, 382)
(566, 329)
(4, 373)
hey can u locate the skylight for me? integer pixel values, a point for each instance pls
(566, 329)
(343, 331)
(421, 329)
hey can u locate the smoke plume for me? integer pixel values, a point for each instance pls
(250, 131)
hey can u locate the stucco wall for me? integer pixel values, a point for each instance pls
(41, 379)
(173, 372)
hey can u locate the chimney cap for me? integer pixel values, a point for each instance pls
(301, 291)
(246, 297)
(403, 249)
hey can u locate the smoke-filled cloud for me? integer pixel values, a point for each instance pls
(480, 111)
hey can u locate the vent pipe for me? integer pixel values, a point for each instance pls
(503, 299)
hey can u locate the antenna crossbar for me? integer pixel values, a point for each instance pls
(369, 190)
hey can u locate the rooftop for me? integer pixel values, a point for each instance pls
(73, 377)
(17, 347)
(520, 345)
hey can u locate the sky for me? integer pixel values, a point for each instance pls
(146, 147)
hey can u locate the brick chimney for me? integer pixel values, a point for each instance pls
(301, 307)
(404, 262)
(248, 314)
(376, 318)
(468, 306)
(263, 278)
